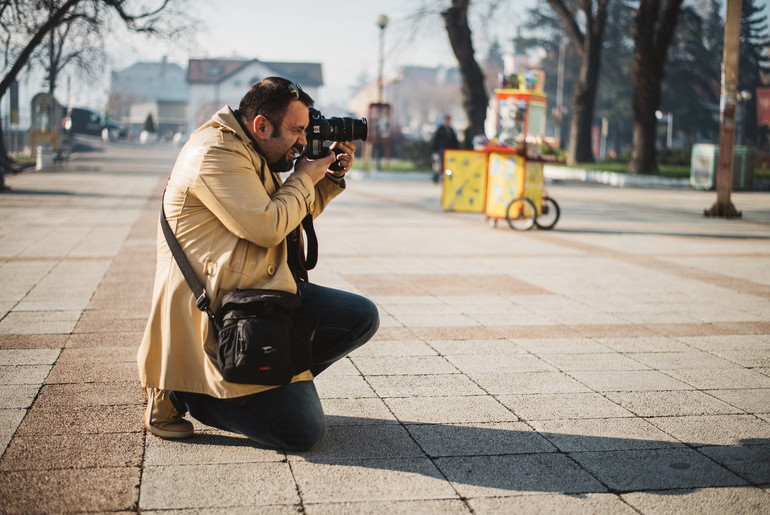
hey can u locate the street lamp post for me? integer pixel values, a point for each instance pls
(382, 22)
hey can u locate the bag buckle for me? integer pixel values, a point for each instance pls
(202, 301)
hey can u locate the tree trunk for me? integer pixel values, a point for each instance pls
(650, 49)
(589, 46)
(580, 148)
(473, 92)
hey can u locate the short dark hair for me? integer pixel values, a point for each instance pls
(271, 97)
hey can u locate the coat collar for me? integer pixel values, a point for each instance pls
(228, 119)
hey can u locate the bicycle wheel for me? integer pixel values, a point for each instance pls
(549, 214)
(521, 214)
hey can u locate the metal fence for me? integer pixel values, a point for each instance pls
(16, 141)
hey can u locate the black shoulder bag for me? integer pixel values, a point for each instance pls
(261, 339)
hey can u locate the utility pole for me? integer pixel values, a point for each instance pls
(730, 66)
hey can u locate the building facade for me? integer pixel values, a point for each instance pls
(214, 83)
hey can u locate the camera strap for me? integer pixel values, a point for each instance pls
(299, 261)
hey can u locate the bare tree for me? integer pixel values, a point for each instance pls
(588, 43)
(25, 25)
(653, 32)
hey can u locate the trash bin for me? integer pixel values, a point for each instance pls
(704, 163)
(44, 157)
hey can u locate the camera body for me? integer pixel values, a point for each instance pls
(320, 130)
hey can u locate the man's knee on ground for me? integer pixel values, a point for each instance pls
(305, 436)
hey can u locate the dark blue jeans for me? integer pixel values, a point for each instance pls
(290, 417)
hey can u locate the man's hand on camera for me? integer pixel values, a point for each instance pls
(315, 168)
(345, 157)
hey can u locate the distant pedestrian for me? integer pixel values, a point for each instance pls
(232, 214)
(443, 139)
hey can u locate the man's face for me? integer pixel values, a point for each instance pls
(287, 140)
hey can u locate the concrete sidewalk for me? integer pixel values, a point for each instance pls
(617, 364)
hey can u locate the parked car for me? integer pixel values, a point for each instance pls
(78, 120)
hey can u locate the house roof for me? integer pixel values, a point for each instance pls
(212, 71)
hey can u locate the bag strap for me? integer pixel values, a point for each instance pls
(202, 299)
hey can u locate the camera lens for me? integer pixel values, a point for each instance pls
(348, 129)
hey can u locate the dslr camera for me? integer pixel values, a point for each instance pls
(320, 130)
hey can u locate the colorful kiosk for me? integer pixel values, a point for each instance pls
(504, 178)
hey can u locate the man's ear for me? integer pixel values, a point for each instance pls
(261, 128)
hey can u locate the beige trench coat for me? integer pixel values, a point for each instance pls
(222, 205)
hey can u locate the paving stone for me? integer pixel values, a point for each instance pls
(343, 387)
(749, 358)
(476, 347)
(599, 504)
(645, 344)
(682, 360)
(33, 341)
(17, 396)
(550, 330)
(82, 420)
(495, 476)
(204, 448)
(343, 367)
(714, 429)
(97, 355)
(392, 479)
(478, 439)
(456, 333)
(561, 346)
(23, 374)
(433, 385)
(394, 348)
(350, 441)
(560, 406)
(671, 403)
(100, 490)
(392, 333)
(528, 383)
(108, 326)
(717, 379)
(703, 500)
(357, 411)
(629, 380)
(83, 372)
(28, 356)
(403, 365)
(603, 361)
(751, 461)
(91, 394)
(273, 509)
(750, 400)
(603, 434)
(511, 363)
(655, 469)
(730, 342)
(112, 339)
(39, 322)
(217, 486)
(9, 422)
(73, 451)
(449, 410)
(452, 506)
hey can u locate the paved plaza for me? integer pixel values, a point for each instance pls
(617, 364)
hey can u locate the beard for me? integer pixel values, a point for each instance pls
(286, 161)
(283, 165)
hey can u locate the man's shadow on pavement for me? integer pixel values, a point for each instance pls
(492, 456)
